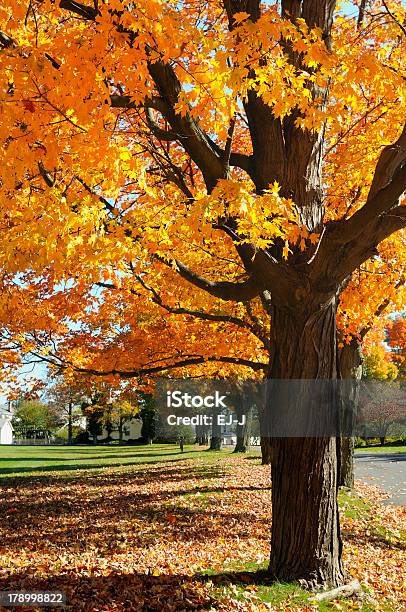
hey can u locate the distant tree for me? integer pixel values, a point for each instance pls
(121, 412)
(378, 364)
(397, 341)
(94, 420)
(34, 414)
(66, 399)
(148, 414)
(384, 411)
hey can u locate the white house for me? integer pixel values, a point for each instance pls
(6, 428)
(131, 430)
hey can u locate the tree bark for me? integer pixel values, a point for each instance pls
(215, 440)
(240, 444)
(242, 429)
(265, 440)
(266, 450)
(215, 443)
(248, 429)
(306, 542)
(350, 367)
(70, 429)
(120, 430)
(346, 465)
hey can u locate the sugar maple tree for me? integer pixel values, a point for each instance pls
(397, 341)
(240, 158)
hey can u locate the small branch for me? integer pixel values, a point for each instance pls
(361, 14)
(254, 327)
(381, 308)
(101, 199)
(127, 102)
(341, 138)
(403, 29)
(79, 9)
(6, 41)
(343, 591)
(227, 150)
(46, 175)
(62, 364)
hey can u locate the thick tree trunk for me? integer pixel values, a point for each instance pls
(346, 465)
(248, 429)
(350, 368)
(306, 543)
(240, 444)
(215, 441)
(266, 450)
(242, 414)
(265, 440)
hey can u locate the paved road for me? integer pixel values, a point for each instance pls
(384, 470)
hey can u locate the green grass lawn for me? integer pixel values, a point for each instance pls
(382, 449)
(18, 461)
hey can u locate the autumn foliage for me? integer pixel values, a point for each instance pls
(99, 195)
(210, 188)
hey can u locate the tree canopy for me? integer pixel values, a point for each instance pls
(139, 192)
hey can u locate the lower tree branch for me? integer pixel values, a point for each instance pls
(225, 290)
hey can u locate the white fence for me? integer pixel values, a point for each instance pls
(37, 442)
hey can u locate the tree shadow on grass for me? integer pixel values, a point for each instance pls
(379, 457)
(119, 591)
(81, 466)
(139, 523)
(95, 458)
(109, 506)
(376, 539)
(135, 591)
(101, 477)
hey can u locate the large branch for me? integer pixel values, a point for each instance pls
(87, 12)
(252, 7)
(253, 325)
(260, 263)
(62, 364)
(225, 290)
(388, 184)
(347, 243)
(191, 136)
(6, 41)
(315, 13)
(183, 363)
(335, 262)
